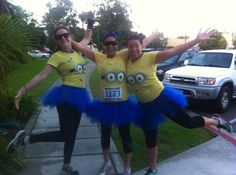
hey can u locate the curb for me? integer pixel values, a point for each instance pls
(226, 136)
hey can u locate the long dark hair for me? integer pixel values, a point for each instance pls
(136, 36)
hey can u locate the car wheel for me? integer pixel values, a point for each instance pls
(224, 99)
(44, 57)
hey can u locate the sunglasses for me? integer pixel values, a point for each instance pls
(65, 35)
(110, 43)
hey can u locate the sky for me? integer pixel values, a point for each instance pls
(172, 17)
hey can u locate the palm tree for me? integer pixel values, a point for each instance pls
(15, 39)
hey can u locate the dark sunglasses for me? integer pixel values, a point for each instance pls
(110, 43)
(65, 35)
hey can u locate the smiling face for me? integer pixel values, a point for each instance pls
(109, 46)
(63, 39)
(134, 48)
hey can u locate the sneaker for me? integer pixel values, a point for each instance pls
(151, 172)
(16, 142)
(105, 168)
(223, 124)
(127, 171)
(68, 170)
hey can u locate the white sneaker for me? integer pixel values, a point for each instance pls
(127, 171)
(105, 168)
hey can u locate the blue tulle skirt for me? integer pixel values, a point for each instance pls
(116, 113)
(154, 113)
(72, 96)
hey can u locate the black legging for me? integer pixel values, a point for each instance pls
(124, 132)
(69, 119)
(181, 117)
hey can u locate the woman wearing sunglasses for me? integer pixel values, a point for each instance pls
(157, 100)
(70, 98)
(113, 105)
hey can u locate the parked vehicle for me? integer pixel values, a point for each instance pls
(39, 54)
(209, 75)
(174, 62)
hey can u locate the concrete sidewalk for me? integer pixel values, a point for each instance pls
(47, 158)
(215, 157)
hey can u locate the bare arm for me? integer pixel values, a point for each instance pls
(149, 39)
(87, 38)
(32, 83)
(164, 55)
(87, 52)
(88, 33)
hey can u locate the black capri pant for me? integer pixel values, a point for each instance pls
(124, 132)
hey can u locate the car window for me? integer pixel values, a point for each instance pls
(171, 59)
(212, 59)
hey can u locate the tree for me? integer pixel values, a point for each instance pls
(234, 40)
(16, 37)
(159, 42)
(218, 42)
(112, 15)
(62, 13)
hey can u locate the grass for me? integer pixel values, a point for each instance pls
(172, 138)
(25, 72)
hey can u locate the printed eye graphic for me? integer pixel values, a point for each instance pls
(120, 76)
(79, 68)
(131, 79)
(140, 77)
(111, 77)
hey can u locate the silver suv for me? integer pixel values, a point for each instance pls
(209, 75)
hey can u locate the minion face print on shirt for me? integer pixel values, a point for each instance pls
(112, 78)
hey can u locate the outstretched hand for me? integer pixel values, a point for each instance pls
(90, 15)
(90, 19)
(18, 98)
(205, 35)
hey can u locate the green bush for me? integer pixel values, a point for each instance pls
(9, 163)
(28, 106)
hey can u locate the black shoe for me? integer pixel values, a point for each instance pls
(223, 124)
(16, 142)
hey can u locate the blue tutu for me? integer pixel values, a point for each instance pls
(72, 96)
(154, 112)
(117, 113)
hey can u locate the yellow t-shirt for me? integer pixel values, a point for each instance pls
(112, 76)
(70, 67)
(141, 76)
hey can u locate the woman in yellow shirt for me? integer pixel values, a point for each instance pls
(155, 99)
(71, 98)
(113, 106)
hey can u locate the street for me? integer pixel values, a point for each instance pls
(206, 108)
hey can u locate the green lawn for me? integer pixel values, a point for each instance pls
(173, 139)
(22, 73)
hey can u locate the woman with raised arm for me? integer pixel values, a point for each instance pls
(70, 98)
(157, 100)
(113, 105)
